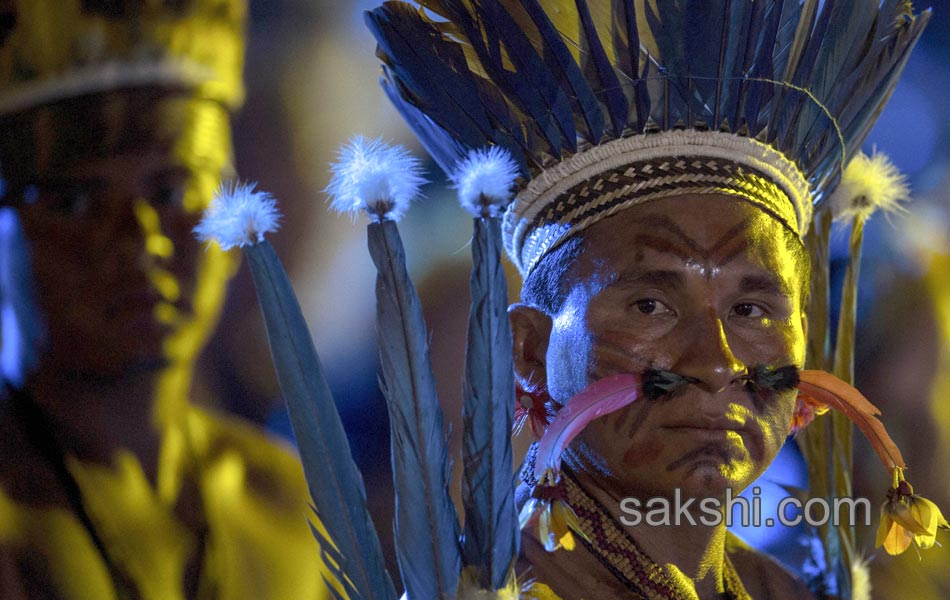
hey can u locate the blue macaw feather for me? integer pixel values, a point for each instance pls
(751, 108)
(491, 534)
(740, 102)
(803, 32)
(704, 48)
(667, 31)
(521, 91)
(531, 82)
(626, 40)
(566, 70)
(426, 527)
(430, 69)
(439, 143)
(599, 70)
(735, 22)
(351, 546)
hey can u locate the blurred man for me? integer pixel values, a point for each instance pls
(112, 485)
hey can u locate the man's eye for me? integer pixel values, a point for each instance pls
(168, 195)
(71, 202)
(651, 306)
(749, 310)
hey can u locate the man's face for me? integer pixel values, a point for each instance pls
(120, 278)
(704, 286)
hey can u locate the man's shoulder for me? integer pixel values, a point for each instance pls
(268, 465)
(763, 576)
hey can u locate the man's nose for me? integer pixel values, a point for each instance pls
(136, 231)
(707, 357)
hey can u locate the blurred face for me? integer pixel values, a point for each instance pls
(704, 286)
(121, 281)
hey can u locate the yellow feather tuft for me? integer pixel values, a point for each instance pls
(869, 183)
(860, 580)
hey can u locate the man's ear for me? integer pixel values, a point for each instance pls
(530, 332)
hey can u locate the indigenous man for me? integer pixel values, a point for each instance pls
(703, 286)
(115, 120)
(674, 158)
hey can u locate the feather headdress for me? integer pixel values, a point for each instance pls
(606, 93)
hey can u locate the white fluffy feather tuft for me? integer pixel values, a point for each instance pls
(239, 215)
(485, 181)
(378, 179)
(860, 580)
(869, 183)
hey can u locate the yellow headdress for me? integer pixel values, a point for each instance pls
(57, 49)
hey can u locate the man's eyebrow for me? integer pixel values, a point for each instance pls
(764, 284)
(661, 278)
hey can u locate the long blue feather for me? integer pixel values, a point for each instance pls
(600, 71)
(544, 126)
(352, 550)
(735, 22)
(530, 82)
(441, 145)
(703, 43)
(567, 71)
(676, 63)
(667, 25)
(628, 52)
(426, 528)
(491, 522)
(430, 69)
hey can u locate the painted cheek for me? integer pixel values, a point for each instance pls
(568, 355)
(641, 453)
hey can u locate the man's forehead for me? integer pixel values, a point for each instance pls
(704, 234)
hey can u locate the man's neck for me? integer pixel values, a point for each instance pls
(694, 552)
(93, 417)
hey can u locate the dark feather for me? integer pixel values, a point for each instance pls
(491, 521)
(771, 69)
(335, 484)
(441, 145)
(565, 69)
(598, 69)
(430, 71)
(628, 52)
(426, 528)
(534, 85)
(667, 33)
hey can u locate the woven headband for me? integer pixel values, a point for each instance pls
(595, 184)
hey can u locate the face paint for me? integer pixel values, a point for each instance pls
(698, 293)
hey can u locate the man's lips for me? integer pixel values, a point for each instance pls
(134, 302)
(702, 423)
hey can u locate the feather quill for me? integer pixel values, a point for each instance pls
(491, 522)
(600, 71)
(426, 529)
(240, 216)
(598, 399)
(21, 323)
(351, 547)
(839, 395)
(563, 63)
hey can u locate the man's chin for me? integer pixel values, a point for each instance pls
(711, 479)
